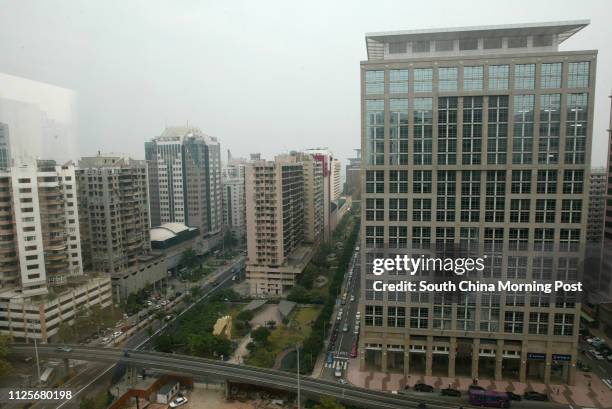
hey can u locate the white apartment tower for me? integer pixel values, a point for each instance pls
(234, 206)
(40, 202)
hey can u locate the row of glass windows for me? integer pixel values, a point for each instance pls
(474, 129)
(468, 209)
(486, 299)
(546, 181)
(473, 78)
(463, 318)
(518, 239)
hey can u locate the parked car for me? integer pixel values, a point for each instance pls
(476, 388)
(342, 381)
(595, 355)
(64, 348)
(514, 396)
(180, 401)
(423, 387)
(450, 392)
(594, 339)
(533, 395)
(352, 298)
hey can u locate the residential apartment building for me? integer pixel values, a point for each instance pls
(275, 225)
(313, 198)
(5, 147)
(352, 185)
(336, 179)
(476, 141)
(113, 212)
(234, 204)
(40, 224)
(185, 179)
(40, 250)
(597, 205)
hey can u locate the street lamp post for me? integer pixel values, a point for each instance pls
(298, 375)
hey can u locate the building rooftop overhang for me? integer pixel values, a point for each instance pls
(562, 29)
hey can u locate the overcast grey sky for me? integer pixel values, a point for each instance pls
(262, 76)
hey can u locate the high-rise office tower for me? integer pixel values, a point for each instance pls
(352, 185)
(476, 141)
(5, 147)
(185, 179)
(275, 225)
(234, 205)
(113, 212)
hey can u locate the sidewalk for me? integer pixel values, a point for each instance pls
(581, 395)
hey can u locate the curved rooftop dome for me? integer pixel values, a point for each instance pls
(167, 231)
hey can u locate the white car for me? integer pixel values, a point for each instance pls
(352, 298)
(117, 333)
(593, 340)
(180, 401)
(105, 340)
(345, 328)
(596, 355)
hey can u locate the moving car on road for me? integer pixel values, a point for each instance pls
(533, 395)
(450, 392)
(492, 399)
(423, 387)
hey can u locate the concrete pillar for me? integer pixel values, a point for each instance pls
(362, 362)
(227, 389)
(383, 361)
(547, 366)
(407, 356)
(571, 378)
(475, 353)
(523, 367)
(429, 356)
(499, 359)
(452, 355)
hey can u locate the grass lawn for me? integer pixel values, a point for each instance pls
(285, 336)
(295, 331)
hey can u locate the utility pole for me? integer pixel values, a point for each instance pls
(37, 362)
(298, 375)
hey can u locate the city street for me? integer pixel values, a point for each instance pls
(344, 340)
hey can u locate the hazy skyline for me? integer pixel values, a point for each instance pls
(263, 77)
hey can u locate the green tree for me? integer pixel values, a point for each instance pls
(260, 335)
(189, 259)
(5, 367)
(65, 333)
(245, 315)
(328, 402)
(229, 240)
